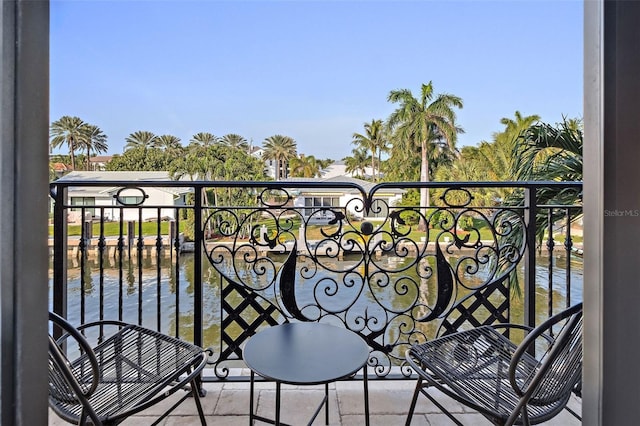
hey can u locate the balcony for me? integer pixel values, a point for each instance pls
(228, 404)
(217, 261)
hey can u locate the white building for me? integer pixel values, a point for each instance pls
(269, 165)
(132, 193)
(349, 198)
(339, 168)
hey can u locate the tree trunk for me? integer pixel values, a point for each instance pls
(424, 192)
(373, 164)
(72, 147)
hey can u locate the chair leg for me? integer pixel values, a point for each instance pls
(573, 413)
(525, 416)
(421, 389)
(413, 401)
(83, 418)
(326, 404)
(251, 387)
(365, 379)
(277, 422)
(85, 415)
(195, 391)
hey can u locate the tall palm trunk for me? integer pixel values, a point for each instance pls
(278, 168)
(72, 154)
(373, 164)
(205, 204)
(424, 177)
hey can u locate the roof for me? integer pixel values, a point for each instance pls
(140, 176)
(367, 186)
(100, 158)
(60, 167)
(120, 176)
(137, 176)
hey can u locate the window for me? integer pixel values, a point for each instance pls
(83, 201)
(130, 200)
(379, 208)
(314, 203)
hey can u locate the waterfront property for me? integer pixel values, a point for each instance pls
(107, 202)
(316, 200)
(610, 170)
(260, 260)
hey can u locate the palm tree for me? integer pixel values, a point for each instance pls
(141, 138)
(323, 164)
(495, 159)
(374, 140)
(468, 167)
(357, 162)
(168, 143)
(95, 141)
(307, 166)
(499, 154)
(550, 153)
(422, 124)
(235, 141)
(515, 127)
(381, 144)
(68, 130)
(203, 139)
(280, 149)
(171, 146)
(545, 152)
(191, 164)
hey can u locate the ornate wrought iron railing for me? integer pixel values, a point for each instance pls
(220, 260)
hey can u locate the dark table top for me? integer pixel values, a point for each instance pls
(305, 353)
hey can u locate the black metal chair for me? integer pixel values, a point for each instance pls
(128, 371)
(486, 371)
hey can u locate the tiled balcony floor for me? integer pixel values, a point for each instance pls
(227, 404)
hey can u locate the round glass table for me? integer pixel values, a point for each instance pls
(305, 354)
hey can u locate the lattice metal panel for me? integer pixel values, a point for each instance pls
(244, 312)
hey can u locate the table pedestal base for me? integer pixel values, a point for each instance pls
(325, 402)
(305, 354)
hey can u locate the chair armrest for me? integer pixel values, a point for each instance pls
(512, 325)
(103, 323)
(524, 328)
(574, 315)
(86, 326)
(61, 360)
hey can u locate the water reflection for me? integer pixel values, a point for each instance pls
(160, 294)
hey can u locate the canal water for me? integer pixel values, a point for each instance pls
(169, 290)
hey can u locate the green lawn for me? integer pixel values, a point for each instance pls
(112, 229)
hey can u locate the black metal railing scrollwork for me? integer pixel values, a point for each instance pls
(334, 252)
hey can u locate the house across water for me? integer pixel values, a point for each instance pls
(132, 193)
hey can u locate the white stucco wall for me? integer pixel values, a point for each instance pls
(157, 197)
(352, 202)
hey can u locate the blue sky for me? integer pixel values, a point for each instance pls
(312, 70)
